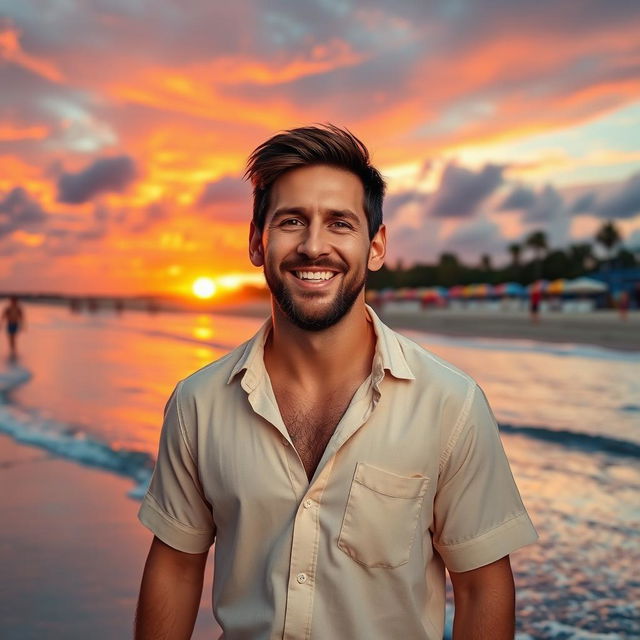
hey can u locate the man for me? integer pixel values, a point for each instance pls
(339, 466)
(13, 316)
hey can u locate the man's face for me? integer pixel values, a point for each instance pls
(315, 246)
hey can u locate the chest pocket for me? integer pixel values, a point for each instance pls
(381, 517)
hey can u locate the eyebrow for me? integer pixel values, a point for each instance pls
(333, 213)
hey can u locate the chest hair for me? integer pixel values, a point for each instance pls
(311, 425)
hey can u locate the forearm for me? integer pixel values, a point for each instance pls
(169, 598)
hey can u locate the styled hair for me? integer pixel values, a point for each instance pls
(308, 146)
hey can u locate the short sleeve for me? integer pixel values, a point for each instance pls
(175, 508)
(479, 516)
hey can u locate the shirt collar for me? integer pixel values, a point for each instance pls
(388, 354)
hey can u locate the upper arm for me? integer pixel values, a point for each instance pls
(167, 559)
(495, 577)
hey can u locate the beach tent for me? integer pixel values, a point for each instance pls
(585, 286)
(456, 291)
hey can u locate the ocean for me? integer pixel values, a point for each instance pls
(91, 388)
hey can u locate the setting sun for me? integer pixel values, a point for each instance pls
(204, 288)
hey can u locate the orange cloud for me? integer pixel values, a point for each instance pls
(10, 51)
(9, 133)
(321, 58)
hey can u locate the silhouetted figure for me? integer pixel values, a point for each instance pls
(623, 304)
(13, 315)
(534, 304)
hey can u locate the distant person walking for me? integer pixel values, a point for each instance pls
(623, 304)
(534, 303)
(13, 315)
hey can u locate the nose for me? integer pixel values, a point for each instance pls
(313, 243)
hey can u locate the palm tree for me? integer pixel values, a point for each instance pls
(608, 236)
(537, 241)
(515, 250)
(485, 262)
(581, 257)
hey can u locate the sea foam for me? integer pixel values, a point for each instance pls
(67, 441)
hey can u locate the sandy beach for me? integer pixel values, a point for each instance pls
(603, 328)
(600, 328)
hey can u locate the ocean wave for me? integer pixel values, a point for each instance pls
(71, 443)
(11, 378)
(589, 443)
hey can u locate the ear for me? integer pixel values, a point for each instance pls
(377, 249)
(256, 254)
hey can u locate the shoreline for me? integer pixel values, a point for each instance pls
(603, 328)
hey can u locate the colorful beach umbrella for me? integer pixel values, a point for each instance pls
(406, 294)
(509, 289)
(540, 285)
(556, 287)
(386, 294)
(371, 296)
(430, 294)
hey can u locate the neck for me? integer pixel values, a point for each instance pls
(315, 359)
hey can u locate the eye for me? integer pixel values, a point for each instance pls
(291, 222)
(342, 225)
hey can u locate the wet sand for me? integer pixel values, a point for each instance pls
(72, 551)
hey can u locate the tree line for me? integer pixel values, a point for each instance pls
(531, 260)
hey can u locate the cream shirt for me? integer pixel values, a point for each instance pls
(413, 479)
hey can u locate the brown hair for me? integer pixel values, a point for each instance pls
(306, 146)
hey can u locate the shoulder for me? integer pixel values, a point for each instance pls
(212, 378)
(449, 391)
(434, 371)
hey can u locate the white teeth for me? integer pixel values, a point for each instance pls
(314, 275)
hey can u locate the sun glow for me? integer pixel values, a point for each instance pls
(204, 288)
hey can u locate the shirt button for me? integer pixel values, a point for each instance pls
(307, 503)
(285, 442)
(301, 578)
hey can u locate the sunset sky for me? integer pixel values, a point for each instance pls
(125, 126)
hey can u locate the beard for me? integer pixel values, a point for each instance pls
(302, 315)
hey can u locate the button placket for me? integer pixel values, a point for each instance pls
(304, 557)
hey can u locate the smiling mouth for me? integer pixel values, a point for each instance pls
(314, 276)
